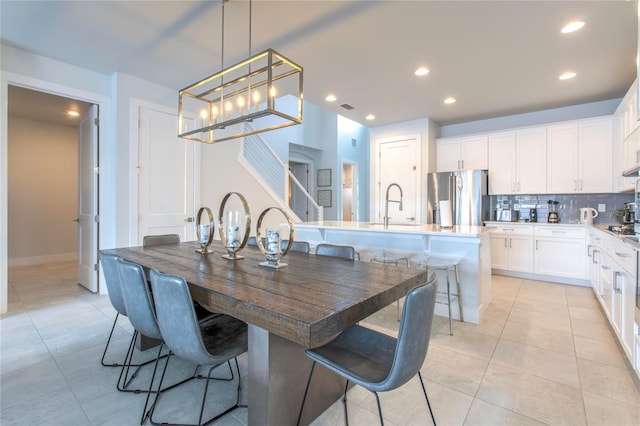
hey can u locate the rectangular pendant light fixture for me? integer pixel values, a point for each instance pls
(250, 91)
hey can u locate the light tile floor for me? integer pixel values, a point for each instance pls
(543, 355)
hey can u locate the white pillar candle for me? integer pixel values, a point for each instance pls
(273, 241)
(446, 220)
(203, 233)
(233, 228)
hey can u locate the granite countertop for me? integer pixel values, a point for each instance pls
(430, 229)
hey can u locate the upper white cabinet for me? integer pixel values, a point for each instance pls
(470, 153)
(627, 142)
(517, 162)
(628, 111)
(580, 156)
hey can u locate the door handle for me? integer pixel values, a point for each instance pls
(189, 219)
(77, 220)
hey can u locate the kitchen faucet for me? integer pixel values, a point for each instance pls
(387, 201)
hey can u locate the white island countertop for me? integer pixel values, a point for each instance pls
(456, 231)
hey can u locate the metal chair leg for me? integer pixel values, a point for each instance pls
(379, 408)
(344, 401)
(457, 272)
(115, 364)
(427, 398)
(449, 304)
(306, 390)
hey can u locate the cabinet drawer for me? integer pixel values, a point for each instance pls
(625, 255)
(513, 229)
(560, 231)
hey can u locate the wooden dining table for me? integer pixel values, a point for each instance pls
(303, 305)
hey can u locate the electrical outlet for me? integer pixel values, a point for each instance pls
(602, 208)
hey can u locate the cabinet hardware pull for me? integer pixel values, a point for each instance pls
(622, 254)
(510, 242)
(536, 244)
(589, 250)
(462, 162)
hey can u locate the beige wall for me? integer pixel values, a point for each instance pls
(43, 194)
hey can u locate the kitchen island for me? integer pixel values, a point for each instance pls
(470, 244)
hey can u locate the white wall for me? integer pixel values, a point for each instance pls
(43, 191)
(221, 176)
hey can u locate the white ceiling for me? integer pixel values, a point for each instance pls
(497, 58)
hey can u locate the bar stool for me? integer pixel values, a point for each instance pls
(390, 257)
(446, 264)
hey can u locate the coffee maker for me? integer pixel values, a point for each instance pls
(553, 214)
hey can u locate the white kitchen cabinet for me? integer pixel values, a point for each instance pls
(615, 285)
(580, 156)
(470, 153)
(512, 248)
(517, 162)
(624, 289)
(560, 251)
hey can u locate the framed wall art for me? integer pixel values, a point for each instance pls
(324, 177)
(324, 197)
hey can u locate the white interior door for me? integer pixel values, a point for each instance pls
(398, 163)
(88, 199)
(349, 191)
(166, 177)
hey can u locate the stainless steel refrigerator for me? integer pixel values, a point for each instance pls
(467, 192)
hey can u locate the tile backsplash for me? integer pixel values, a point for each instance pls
(568, 208)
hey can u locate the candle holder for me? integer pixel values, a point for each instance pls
(231, 230)
(273, 251)
(205, 231)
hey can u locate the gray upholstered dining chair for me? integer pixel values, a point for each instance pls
(299, 246)
(114, 288)
(333, 250)
(379, 362)
(225, 339)
(139, 302)
(156, 240)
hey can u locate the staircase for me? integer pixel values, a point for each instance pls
(274, 176)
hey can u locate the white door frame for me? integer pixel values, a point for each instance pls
(376, 191)
(134, 135)
(107, 193)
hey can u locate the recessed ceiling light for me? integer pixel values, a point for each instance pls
(330, 98)
(73, 113)
(450, 100)
(572, 26)
(567, 75)
(370, 117)
(422, 71)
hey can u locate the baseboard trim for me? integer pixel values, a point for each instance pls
(40, 260)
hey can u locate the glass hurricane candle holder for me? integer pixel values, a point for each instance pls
(235, 225)
(273, 239)
(205, 231)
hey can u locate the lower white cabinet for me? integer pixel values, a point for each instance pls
(560, 251)
(614, 282)
(512, 248)
(512, 252)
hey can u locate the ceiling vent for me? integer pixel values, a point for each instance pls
(347, 107)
